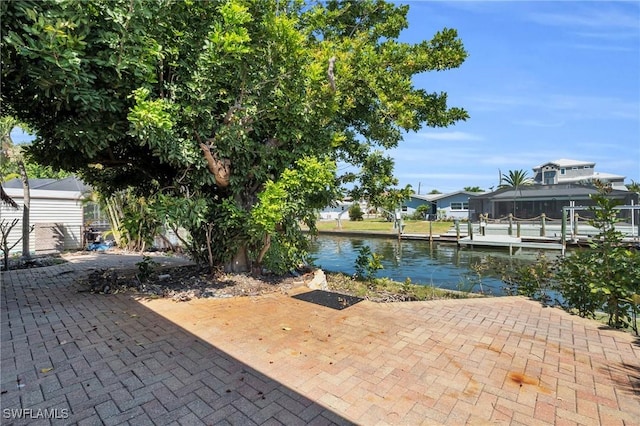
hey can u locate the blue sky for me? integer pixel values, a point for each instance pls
(543, 81)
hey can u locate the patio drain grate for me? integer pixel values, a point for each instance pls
(328, 299)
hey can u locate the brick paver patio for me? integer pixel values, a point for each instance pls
(117, 359)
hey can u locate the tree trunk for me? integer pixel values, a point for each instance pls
(26, 227)
(239, 263)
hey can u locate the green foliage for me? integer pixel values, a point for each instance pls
(355, 212)
(140, 224)
(608, 270)
(634, 187)
(514, 179)
(294, 198)
(574, 285)
(367, 263)
(406, 286)
(602, 277)
(187, 92)
(146, 268)
(473, 189)
(535, 280)
(421, 212)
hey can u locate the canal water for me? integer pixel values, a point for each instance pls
(441, 265)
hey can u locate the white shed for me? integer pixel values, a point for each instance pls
(56, 213)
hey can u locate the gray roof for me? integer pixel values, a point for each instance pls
(436, 197)
(564, 162)
(558, 191)
(71, 184)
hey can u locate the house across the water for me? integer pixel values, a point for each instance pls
(574, 171)
(531, 201)
(454, 205)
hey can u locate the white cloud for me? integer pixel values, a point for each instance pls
(565, 106)
(595, 18)
(451, 176)
(450, 136)
(539, 123)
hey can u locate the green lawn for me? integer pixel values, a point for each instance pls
(381, 225)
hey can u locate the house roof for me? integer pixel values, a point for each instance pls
(436, 197)
(564, 162)
(71, 184)
(558, 191)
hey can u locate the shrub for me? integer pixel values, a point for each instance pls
(367, 263)
(355, 212)
(421, 212)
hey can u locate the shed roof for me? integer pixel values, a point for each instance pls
(71, 184)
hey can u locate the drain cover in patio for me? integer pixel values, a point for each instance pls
(329, 299)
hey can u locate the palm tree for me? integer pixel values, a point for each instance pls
(515, 179)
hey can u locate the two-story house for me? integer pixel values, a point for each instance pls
(557, 184)
(574, 171)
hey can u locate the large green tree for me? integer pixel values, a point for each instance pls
(208, 104)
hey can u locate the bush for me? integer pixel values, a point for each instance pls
(367, 263)
(421, 212)
(355, 212)
(602, 277)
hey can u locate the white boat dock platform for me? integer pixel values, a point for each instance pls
(507, 241)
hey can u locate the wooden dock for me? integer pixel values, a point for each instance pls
(508, 242)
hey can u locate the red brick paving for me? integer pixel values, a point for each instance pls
(278, 360)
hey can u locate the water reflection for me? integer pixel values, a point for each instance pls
(438, 264)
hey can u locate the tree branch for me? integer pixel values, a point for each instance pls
(219, 168)
(330, 74)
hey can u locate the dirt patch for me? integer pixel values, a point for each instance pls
(183, 283)
(33, 262)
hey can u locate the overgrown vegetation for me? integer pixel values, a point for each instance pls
(386, 290)
(211, 104)
(355, 212)
(603, 277)
(367, 263)
(146, 268)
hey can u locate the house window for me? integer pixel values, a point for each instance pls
(574, 168)
(549, 177)
(460, 206)
(404, 208)
(563, 171)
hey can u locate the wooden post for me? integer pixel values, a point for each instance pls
(510, 224)
(470, 229)
(575, 226)
(518, 229)
(564, 231)
(430, 231)
(457, 225)
(543, 229)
